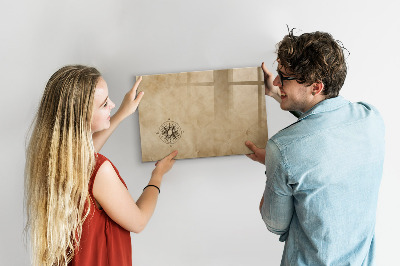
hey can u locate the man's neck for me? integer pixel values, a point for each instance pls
(316, 100)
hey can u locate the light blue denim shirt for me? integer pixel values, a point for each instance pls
(323, 176)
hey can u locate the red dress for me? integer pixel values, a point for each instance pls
(103, 241)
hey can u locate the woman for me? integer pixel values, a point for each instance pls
(78, 207)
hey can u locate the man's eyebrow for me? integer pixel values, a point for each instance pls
(283, 74)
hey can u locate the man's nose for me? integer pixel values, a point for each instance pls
(277, 81)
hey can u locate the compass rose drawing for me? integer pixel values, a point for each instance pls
(170, 132)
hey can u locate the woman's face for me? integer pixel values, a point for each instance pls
(102, 106)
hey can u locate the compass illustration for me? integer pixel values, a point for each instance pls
(170, 132)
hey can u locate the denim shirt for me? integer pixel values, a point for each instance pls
(323, 176)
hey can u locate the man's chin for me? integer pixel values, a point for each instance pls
(285, 108)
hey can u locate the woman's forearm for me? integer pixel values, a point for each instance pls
(148, 200)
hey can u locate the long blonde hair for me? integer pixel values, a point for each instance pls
(59, 161)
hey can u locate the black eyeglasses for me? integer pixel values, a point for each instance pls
(282, 78)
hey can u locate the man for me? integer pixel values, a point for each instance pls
(323, 171)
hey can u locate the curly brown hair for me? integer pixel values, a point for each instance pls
(314, 57)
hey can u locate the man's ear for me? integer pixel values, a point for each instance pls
(317, 88)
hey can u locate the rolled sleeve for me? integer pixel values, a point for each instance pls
(277, 209)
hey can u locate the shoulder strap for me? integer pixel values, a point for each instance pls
(100, 159)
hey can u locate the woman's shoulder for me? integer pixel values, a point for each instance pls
(105, 167)
(102, 164)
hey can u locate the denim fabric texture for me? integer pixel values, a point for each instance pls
(323, 176)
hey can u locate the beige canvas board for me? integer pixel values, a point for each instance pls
(203, 113)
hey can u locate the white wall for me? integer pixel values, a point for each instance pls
(208, 208)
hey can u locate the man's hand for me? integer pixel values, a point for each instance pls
(270, 89)
(258, 155)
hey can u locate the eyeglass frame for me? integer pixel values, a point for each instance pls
(282, 78)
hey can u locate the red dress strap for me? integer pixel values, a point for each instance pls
(100, 159)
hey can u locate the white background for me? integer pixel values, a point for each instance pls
(208, 208)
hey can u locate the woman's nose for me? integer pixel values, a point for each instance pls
(112, 105)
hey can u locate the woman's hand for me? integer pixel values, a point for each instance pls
(131, 101)
(164, 165)
(270, 89)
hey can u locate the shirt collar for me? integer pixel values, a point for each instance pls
(325, 106)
